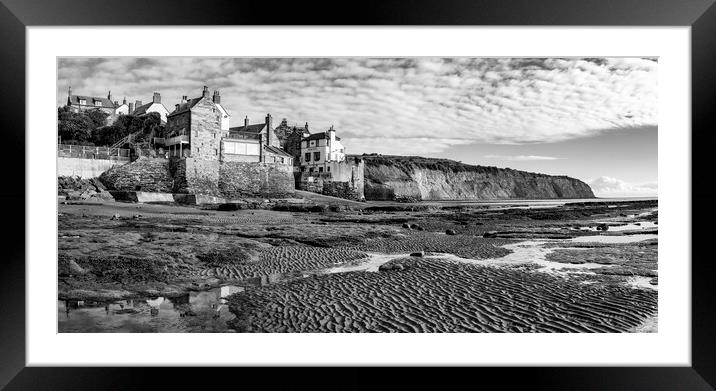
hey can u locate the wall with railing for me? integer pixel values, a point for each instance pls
(90, 152)
(88, 162)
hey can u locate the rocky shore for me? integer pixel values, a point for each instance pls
(315, 267)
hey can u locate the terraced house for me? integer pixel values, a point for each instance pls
(79, 103)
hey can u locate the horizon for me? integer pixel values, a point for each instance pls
(592, 119)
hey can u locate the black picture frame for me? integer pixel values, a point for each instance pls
(16, 15)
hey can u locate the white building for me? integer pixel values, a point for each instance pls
(122, 109)
(155, 106)
(320, 150)
(225, 116)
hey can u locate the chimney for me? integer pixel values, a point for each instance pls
(284, 123)
(205, 93)
(131, 108)
(176, 107)
(124, 101)
(109, 96)
(269, 129)
(116, 103)
(156, 98)
(217, 97)
(137, 103)
(183, 99)
(246, 121)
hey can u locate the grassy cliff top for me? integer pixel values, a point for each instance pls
(409, 163)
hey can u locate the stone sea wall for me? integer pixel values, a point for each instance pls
(202, 177)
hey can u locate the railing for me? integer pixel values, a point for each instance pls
(126, 139)
(89, 152)
(176, 140)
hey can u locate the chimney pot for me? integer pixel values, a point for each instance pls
(156, 98)
(205, 93)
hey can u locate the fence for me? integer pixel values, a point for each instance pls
(89, 152)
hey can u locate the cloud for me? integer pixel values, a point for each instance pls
(398, 101)
(611, 187)
(522, 157)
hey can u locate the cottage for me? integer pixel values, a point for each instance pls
(155, 106)
(79, 103)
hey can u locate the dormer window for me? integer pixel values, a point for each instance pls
(98, 103)
(83, 102)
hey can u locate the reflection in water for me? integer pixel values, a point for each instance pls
(191, 312)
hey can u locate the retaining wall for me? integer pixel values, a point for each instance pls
(85, 168)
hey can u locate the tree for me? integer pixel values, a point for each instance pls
(74, 127)
(98, 117)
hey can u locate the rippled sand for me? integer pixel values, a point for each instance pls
(438, 295)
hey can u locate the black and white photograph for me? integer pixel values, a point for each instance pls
(357, 194)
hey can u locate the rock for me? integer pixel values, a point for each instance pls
(116, 217)
(490, 234)
(415, 226)
(418, 254)
(137, 216)
(451, 232)
(406, 225)
(602, 227)
(398, 266)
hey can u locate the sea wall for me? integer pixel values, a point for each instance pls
(345, 180)
(202, 177)
(240, 180)
(391, 178)
(84, 168)
(143, 174)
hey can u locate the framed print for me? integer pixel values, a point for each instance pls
(434, 185)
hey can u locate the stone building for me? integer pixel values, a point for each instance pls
(290, 138)
(155, 106)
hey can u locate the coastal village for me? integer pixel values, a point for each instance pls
(198, 157)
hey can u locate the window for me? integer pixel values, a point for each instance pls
(282, 161)
(83, 102)
(310, 169)
(320, 169)
(328, 169)
(98, 103)
(216, 152)
(313, 143)
(308, 156)
(316, 156)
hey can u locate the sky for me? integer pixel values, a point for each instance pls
(594, 119)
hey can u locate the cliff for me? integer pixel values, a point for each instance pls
(410, 177)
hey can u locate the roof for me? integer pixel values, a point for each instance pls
(186, 106)
(142, 109)
(318, 136)
(75, 100)
(255, 128)
(277, 151)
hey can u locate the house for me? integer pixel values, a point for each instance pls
(255, 143)
(324, 168)
(290, 138)
(319, 150)
(122, 109)
(155, 106)
(199, 128)
(79, 103)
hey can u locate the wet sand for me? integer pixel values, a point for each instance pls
(481, 268)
